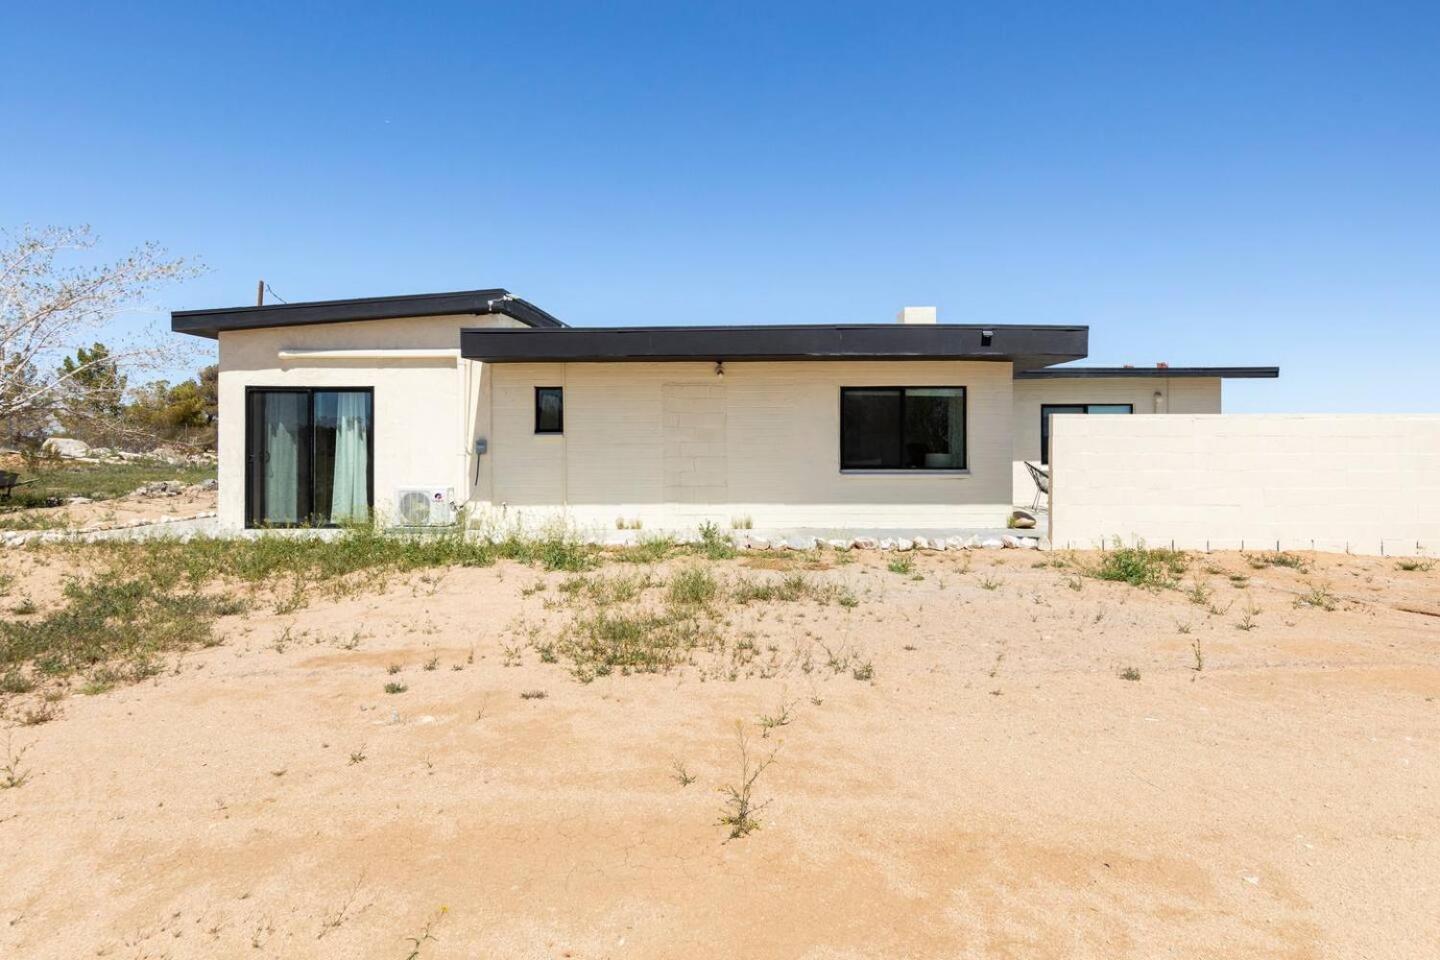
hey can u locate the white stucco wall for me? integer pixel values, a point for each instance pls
(672, 445)
(669, 444)
(1177, 395)
(420, 438)
(1365, 483)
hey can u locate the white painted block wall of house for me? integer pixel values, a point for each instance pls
(1177, 395)
(1366, 483)
(672, 445)
(420, 439)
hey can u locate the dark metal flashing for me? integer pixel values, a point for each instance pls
(1148, 373)
(1026, 346)
(210, 323)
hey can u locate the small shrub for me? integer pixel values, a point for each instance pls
(1199, 655)
(1318, 596)
(1412, 564)
(780, 718)
(533, 694)
(12, 775)
(694, 586)
(1129, 673)
(681, 774)
(904, 564)
(1141, 566)
(863, 671)
(740, 811)
(393, 687)
(1260, 561)
(990, 582)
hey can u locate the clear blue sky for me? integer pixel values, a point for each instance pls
(1200, 183)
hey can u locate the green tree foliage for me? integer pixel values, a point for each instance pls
(91, 395)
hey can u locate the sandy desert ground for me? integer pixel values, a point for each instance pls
(961, 769)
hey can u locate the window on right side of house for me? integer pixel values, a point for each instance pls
(1047, 410)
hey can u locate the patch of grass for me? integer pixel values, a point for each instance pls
(715, 544)
(781, 717)
(741, 523)
(1199, 592)
(693, 586)
(649, 549)
(903, 564)
(1129, 673)
(62, 479)
(1318, 596)
(396, 687)
(15, 681)
(789, 589)
(130, 619)
(1292, 561)
(1413, 564)
(533, 694)
(1248, 615)
(990, 582)
(741, 812)
(1141, 566)
(863, 671)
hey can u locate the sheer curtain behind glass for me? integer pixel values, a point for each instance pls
(285, 416)
(349, 497)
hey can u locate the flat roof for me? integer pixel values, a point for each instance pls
(1107, 373)
(1026, 346)
(209, 323)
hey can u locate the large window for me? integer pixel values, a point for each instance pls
(308, 456)
(1049, 409)
(902, 428)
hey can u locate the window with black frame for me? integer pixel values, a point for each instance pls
(902, 428)
(1048, 410)
(549, 410)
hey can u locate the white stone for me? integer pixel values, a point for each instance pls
(1022, 520)
(921, 543)
(956, 543)
(66, 448)
(865, 543)
(904, 543)
(938, 544)
(887, 543)
(839, 544)
(801, 543)
(990, 543)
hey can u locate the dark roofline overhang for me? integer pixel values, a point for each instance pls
(1026, 346)
(210, 323)
(1149, 373)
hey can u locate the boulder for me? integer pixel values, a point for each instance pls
(1022, 520)
(956, 543)
(865, 543)
(801, 543)
(210, 484)
(922, 543)
(990, 543)
(841, 545)
(66, 448)
(903, 544)
(77, 501)
(887, 543)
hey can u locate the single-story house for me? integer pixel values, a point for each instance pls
(413, 407)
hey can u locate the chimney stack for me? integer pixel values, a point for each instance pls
(909, 315)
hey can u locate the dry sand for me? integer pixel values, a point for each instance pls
(995, 790)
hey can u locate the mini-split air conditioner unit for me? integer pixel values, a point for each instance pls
(425, 506)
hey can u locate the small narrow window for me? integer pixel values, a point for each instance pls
(549, 410)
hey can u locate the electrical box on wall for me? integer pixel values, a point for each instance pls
(480, 446)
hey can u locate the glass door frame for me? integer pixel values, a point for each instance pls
(254, 499)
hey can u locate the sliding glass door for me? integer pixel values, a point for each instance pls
(308, 457)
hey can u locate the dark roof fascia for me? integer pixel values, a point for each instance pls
(209, 323)
(1149, 373)
(1025, 346)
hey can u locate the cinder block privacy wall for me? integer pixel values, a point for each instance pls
(1366, 484)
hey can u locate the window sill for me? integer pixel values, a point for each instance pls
(916, 472)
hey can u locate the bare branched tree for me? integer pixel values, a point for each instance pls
(48, 311)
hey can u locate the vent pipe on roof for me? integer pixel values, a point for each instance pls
(916, 315)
